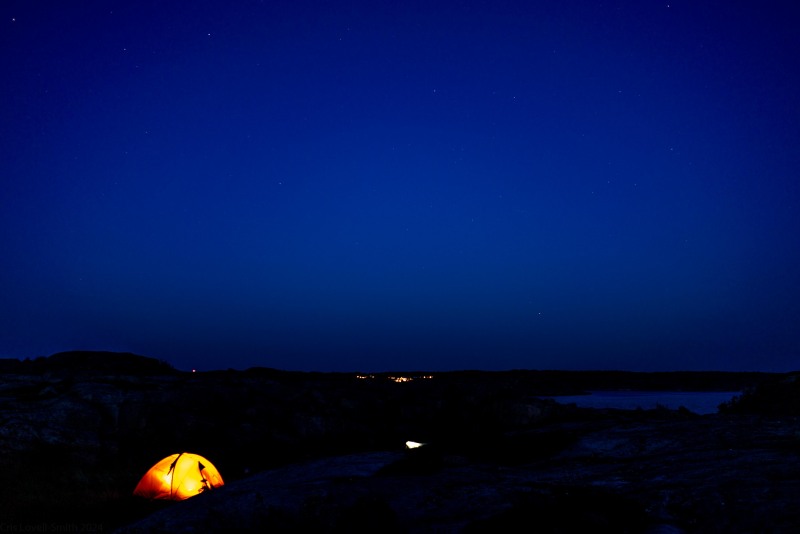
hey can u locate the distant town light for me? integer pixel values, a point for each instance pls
(398, 379)
(413, 444)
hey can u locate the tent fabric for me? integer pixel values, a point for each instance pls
(178, 477)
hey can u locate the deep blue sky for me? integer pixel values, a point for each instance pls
(402, 185)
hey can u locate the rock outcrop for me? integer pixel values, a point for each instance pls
(693, 474)
(324, 452)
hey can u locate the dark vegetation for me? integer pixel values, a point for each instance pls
(776, 395)
(78, 430)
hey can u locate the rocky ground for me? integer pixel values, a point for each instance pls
(325, 452)
(683, 475)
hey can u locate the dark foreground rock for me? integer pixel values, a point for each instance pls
(324, 452)
(709, 474)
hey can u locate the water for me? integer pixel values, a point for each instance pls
(700, 402)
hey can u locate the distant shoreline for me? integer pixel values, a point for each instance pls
(538, 382)
(699, 402)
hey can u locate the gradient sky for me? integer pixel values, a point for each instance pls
(372, 185)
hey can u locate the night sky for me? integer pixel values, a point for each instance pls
(367, 186)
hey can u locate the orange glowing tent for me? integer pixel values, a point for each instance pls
(178, 477)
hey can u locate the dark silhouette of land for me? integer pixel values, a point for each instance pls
(326, 451)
